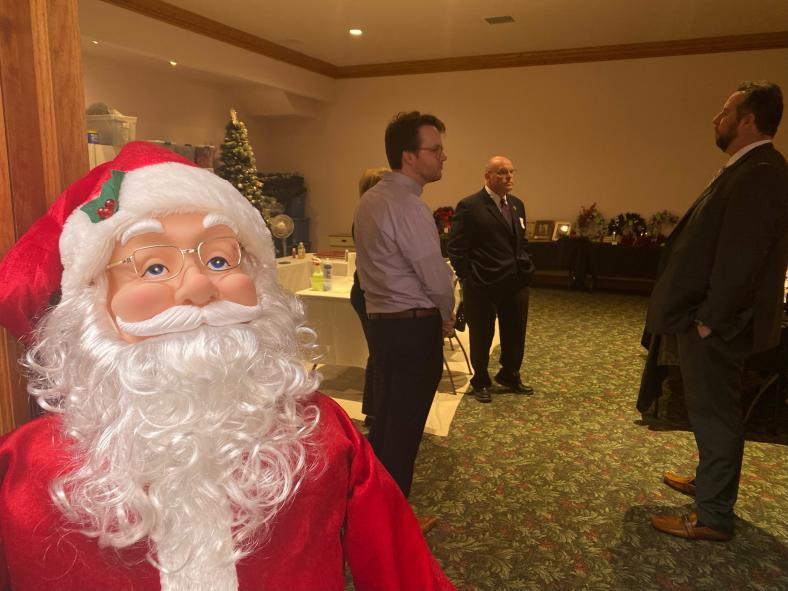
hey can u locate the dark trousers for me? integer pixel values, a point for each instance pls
(711, 370)
(360, 306)
(408, 356)
(481, 308)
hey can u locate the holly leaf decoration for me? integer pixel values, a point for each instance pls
(108, 202)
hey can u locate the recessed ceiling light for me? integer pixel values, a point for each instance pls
(173, 63)
(356, 32)
(94, 42)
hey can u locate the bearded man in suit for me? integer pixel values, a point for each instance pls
(721, 294)
(488, 250)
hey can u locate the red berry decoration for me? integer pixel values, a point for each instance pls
(107, 210)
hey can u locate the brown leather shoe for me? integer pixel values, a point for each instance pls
(426, 522)
(686, 526)
(683, 484)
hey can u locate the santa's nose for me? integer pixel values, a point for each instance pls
(196, 288)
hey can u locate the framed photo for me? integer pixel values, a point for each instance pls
(562, 230)
(530, 228)
(543, 229)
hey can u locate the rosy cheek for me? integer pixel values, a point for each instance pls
(141, 301)
(238, 288)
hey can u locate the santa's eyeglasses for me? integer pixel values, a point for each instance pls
(160, 262)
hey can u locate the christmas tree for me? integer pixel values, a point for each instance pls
(238, 167)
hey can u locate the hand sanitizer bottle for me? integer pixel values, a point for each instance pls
(317, 276)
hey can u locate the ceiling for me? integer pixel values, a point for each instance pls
(408, 30)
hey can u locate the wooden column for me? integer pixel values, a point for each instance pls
(42, 140)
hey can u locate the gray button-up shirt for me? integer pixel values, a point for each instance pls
(398, 255)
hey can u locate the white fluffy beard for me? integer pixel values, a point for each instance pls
(192, 440)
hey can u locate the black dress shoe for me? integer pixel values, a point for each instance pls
(517, 387)
(481, 394)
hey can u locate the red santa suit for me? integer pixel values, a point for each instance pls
(347, 508)
(350, 510)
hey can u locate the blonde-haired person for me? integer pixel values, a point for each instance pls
(368, 179)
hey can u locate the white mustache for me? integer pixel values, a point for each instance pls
(183, 318)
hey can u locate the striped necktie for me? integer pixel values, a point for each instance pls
(506, 212)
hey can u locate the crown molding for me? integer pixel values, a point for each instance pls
(184, 19)
(571, 56)
(195, 23)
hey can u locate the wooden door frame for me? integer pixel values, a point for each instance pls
(43, 146)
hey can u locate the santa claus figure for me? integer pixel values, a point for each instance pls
(183, 445)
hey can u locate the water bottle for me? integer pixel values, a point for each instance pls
(327, 269)
(301, 250)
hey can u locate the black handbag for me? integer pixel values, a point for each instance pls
(459, 318)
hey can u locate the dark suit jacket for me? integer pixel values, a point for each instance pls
(484, 249)
(725, 261)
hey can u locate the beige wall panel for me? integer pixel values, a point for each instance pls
(168, 104)
(632, 135)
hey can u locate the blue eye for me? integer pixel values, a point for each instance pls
(218, 264)
(155, 270)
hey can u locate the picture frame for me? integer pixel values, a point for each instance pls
(530, 228)
(543, 229)
(562, 230)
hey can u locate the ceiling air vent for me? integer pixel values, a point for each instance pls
(499, 20)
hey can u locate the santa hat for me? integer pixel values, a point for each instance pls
(70, 245)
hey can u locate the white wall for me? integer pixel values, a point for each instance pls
(632, 135)
(168, 105)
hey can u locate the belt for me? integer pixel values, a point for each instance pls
(412, 313)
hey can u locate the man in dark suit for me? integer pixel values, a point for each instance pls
(487, 248)
(720, 293)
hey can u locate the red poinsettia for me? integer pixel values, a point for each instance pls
(443, 216)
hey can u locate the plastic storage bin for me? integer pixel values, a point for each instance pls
(203, 156)
(114, 130)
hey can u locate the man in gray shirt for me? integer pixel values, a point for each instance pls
(407, 288)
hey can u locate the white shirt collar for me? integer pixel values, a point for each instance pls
(738, 155)
(493, 195)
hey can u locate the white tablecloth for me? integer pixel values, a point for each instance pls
(338, 328)
(293, 274)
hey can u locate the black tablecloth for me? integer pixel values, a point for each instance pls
(631, 262)
(581, 258)
(553, 256)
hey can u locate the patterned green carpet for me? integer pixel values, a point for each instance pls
(554, 491)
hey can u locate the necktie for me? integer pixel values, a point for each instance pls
(505, 211)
